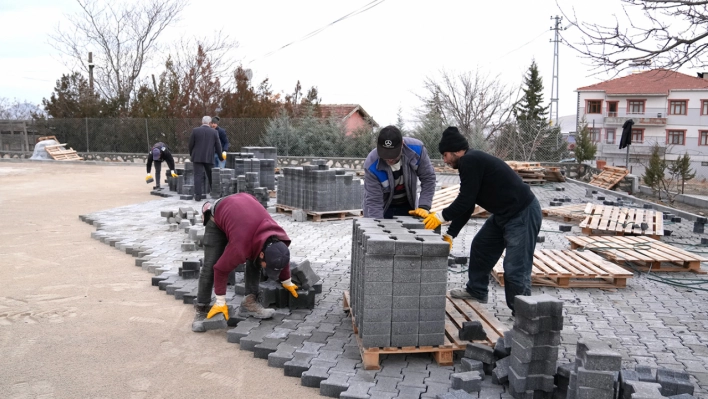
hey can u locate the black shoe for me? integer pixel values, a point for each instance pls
(197, 197)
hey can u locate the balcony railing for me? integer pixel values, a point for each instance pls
(648, 117)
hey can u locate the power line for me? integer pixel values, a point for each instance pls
(358, 11)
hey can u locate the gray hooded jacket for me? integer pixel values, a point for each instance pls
(378, 179)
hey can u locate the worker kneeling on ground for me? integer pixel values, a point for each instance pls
(239, 230)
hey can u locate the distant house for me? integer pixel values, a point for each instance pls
(353, 116)
(667, 107)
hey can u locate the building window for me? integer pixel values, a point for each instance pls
(595, 134)
(635, 106)
(593, 107)
(612, 107)
(610, 136)
(704, 107)
(637, 136)
(675, 137)
(703, 139)
(677, 107)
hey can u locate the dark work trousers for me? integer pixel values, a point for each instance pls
(158, 166)
(517, 235)
(214, 244)
(397, 211)
(199, 169)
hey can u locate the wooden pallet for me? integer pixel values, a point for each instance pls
(564, 268)
(322, 216)
(457, 311)
(647, 254)
(444, 197)
(621, 220)
(59, 153)
(609, 177)
(567, 212)
(553, 174)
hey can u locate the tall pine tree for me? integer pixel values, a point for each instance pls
(536, 140)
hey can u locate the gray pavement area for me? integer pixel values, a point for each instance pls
(650, 323)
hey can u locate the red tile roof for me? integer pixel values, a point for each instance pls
(655, 81)
(343, 111)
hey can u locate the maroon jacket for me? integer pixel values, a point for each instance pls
(247, 226)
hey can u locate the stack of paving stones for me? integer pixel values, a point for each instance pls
(222, 182)
(596, 371)
(317, 188)
(268, 157)
(646, 382)
(699, 226)
(534, 350)
(398, 283)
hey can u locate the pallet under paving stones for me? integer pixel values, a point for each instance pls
(567, 212)
(457, 312)
(570, 269)
(645, 253)
(323, 216)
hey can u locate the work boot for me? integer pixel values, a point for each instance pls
(461, 293)
(200, 315)
(251, 307)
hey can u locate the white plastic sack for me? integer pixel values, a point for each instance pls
(40, 152)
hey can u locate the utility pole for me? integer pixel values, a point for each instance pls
(90, 65)
(554, 81)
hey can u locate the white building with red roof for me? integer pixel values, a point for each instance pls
(667, 107)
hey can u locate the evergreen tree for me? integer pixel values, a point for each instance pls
(429, 131)
(654, 173)
(530, 106)
(585, 149)
(682, 168)
(73, 98)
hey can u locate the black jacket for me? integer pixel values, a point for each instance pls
(203, 144)
(165, 155)
(488, 181)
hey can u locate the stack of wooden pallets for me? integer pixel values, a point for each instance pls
(58, 152)
(553, 174)
(622, 221)
(609, 177)
(646, 254)
(567, 212)
(530, 172)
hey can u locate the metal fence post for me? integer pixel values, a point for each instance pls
(147, 135)
(87, 136)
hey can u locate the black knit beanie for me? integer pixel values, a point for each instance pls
(452, 141)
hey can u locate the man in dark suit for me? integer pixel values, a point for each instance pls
(203, 145)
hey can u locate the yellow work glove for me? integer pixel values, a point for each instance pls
(288, 285)
(420, 212)
(149, 179)
(448, 239)
(174, 175)
(223, 156)
(431, 221)
(219, 307)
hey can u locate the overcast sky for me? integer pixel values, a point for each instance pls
(378, 59)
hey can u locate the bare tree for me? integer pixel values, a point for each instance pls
(19, 110)
(123, 38)
(660, 33)
(478, 105)
(219, 49)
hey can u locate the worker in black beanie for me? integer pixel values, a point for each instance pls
(489, 182)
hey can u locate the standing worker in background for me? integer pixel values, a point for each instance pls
(514, 224)
(223, 139)
(157, 154)
(392, 171)
(238, 229)
(204, 144)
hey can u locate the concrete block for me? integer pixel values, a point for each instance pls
(435, 276)
(456, 394)
(467, 364)
(596, 379)
(538, 306)
(303, 275)
(378, 261)
(376, 341)
(375, 328)
(313, 376)
(378, 288)
(433, 289)
(298, 364)
(380, 245)
(538, 324)
(432, 302)
(531, 382)
(407, 263)
(431, 339)
(544, 338)
(406, 289)
(500, 349)
(305, 299)
(405, 302)
(435, 314)
(674, 382)
(401, 275)
(379, 315)
(472, 331)
(377, 302)
(643, 390)
(404, 340)
(218, 322)
(500, 375)
(527, 354)
(434, 262)
(545, 366)
(594, 393)
(357, 390)
(434, 246)
(408, 246)
(335, 384)
(378, 274)
(483, 353)
(469, 381)
(597, 355)
(431, 327)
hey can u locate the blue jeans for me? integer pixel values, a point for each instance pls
(517, 235)
(396, 211)
(217, 163)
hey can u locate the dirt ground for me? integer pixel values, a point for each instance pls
(77, 321)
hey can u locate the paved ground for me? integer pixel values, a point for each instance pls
(650, 323)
